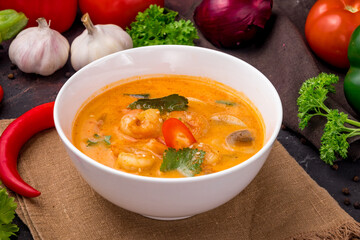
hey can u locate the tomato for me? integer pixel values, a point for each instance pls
(61, 13)
(328, 29)
(176, 134)
(1, 93)
(119, 12)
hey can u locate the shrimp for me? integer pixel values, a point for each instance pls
(212, 155)
(141, 124)
(197, 123)
(134, 161)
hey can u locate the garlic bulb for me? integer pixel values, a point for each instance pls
(40, 50)
(97, 41)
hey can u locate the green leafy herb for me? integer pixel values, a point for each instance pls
(7, 214)
(98, 139)
(338, 128)
(228, 103)
(169, 103)
(143, 95)
(157, 26)
(187, 161)
(107, 140)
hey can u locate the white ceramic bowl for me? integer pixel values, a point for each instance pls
(161, 198)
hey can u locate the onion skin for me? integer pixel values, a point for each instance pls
(229, 23)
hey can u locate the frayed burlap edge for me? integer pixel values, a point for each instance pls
(348, 230)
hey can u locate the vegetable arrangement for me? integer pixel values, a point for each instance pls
(328, 28)
(7, 214)
(157, 26)
(338, 128)
(61, 13)
(230, 23)
(352, 78)
(14, 137)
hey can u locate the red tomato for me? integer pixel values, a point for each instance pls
(119, 12)
(1, 93)
(176, 134)
(328, 29)
(61, 12)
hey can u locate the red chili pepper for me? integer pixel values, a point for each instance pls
(176, 134)
(1, 93)
(14, 137)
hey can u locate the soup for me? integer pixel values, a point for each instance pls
(169, 126)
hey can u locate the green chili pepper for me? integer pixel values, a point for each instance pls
(352, 78)
(11, 23)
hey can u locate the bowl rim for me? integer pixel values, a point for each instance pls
(219, 174)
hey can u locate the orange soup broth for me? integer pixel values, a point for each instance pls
(101, 115)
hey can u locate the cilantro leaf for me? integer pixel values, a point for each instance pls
(338, 127)
(107, 140)
(226, 102)
(169, 103)
(157, 26)
(7, 214)
(187, 161)
(141, 95)
(98, 139)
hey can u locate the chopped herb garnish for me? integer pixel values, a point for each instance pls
(92, 142)
(187, 161)
(226, 102)
(141, 96)
(107, 140)
(169, 103)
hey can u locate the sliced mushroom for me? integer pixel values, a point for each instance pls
(240, 136)
(229, 119)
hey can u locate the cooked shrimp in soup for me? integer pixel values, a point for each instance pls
(169, 126)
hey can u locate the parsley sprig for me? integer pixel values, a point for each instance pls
(187, 161)
(7, 214)
(157, 26)
(338, 127)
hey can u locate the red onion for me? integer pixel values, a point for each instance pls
(228, 23)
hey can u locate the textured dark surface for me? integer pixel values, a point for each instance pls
(28, 90)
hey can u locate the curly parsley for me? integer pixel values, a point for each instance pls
(7, 214)
(157, 26)
(338, 128)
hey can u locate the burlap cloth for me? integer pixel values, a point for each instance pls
(282, 202)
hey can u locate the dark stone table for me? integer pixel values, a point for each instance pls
(25, 91)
